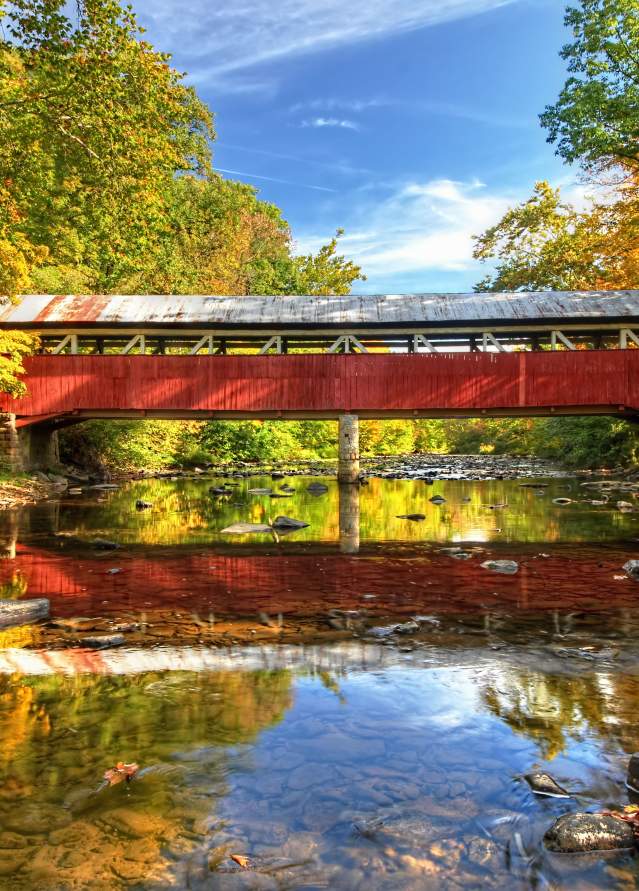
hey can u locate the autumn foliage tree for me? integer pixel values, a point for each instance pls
(106, 174)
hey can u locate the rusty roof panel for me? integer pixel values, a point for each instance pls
(133, 311)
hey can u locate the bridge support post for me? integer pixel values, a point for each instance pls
(11, 456)
(348, 460)
(40, 447)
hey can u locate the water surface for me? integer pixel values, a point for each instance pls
(277, 711)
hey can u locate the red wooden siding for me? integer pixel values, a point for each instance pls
(316, 384)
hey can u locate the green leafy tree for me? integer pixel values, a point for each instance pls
(595, 121)
(540, 244)
(95, 124)
(326, 272)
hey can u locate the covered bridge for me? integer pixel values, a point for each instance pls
(386, 356)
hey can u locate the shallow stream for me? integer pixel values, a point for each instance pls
(351, 706)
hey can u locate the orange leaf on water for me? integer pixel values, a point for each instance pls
(121, 771)
(241, 860)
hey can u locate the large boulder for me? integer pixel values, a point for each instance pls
(576, 833)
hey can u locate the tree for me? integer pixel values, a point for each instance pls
(95, 124)
(541, 243)
(326, 272)
(544, 243)
(596, 119)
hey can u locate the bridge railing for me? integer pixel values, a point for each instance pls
(197, 342)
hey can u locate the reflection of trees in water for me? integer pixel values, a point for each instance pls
(551, 709)
(58, 735)
(185, 512)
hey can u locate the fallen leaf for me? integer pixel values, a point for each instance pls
(241, 860)
(120, 772)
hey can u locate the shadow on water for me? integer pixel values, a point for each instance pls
(284, 705)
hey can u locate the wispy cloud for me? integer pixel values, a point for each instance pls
(335, 166)
(339, 123)
(421, 228)
(477, 115)
(214, 39)
(274, 179)
(336, 104)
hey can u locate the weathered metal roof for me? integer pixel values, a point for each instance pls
(353, 311)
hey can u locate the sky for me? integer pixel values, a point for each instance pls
(411, 124)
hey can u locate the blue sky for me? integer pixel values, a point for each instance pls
(410, 123)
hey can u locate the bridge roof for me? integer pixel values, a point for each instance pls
(353, 311)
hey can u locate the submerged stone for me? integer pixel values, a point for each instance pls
(411, 517)
(506, 567)
(544, 784)
(103, 641)
(632, 780)
(103, 544)
(246, 528)
(143, 505)
(437, 499)
(576, 833)
(632, 568)
(317, 488)
(288, 523)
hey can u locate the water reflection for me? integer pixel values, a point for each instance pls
(272, 707)
(279, 764)
(349, 519)
(185, 512)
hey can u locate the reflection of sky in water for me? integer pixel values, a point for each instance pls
(277, 764)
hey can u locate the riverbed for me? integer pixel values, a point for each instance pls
(351, 705)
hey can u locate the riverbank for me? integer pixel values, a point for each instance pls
(19, 491)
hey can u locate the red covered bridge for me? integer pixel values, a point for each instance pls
(426, 355)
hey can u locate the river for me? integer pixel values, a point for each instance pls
(352, 705)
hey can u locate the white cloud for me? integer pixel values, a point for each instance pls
(340, 123)
(420, 229)
(216, 39)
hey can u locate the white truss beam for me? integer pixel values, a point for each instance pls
(206, 341)
(274, 343)
(71, 341)
(557, 337)
(138, 341)
(420, 340)
(625, 335)
(488, 339)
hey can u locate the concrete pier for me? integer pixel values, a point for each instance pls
(30, 448)
(348, 461)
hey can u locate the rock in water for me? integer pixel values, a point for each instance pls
(575, 833)
(506, 567)
(544, 784)
(259, 491)
(632, 568)
(102, 544)
(317, 489)
(246, 528)
(23, 612)
(288, 523)
(143, 505)
(632, 780)
(562, 501)
(411, 517)
(437, 499)
(102, 641)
